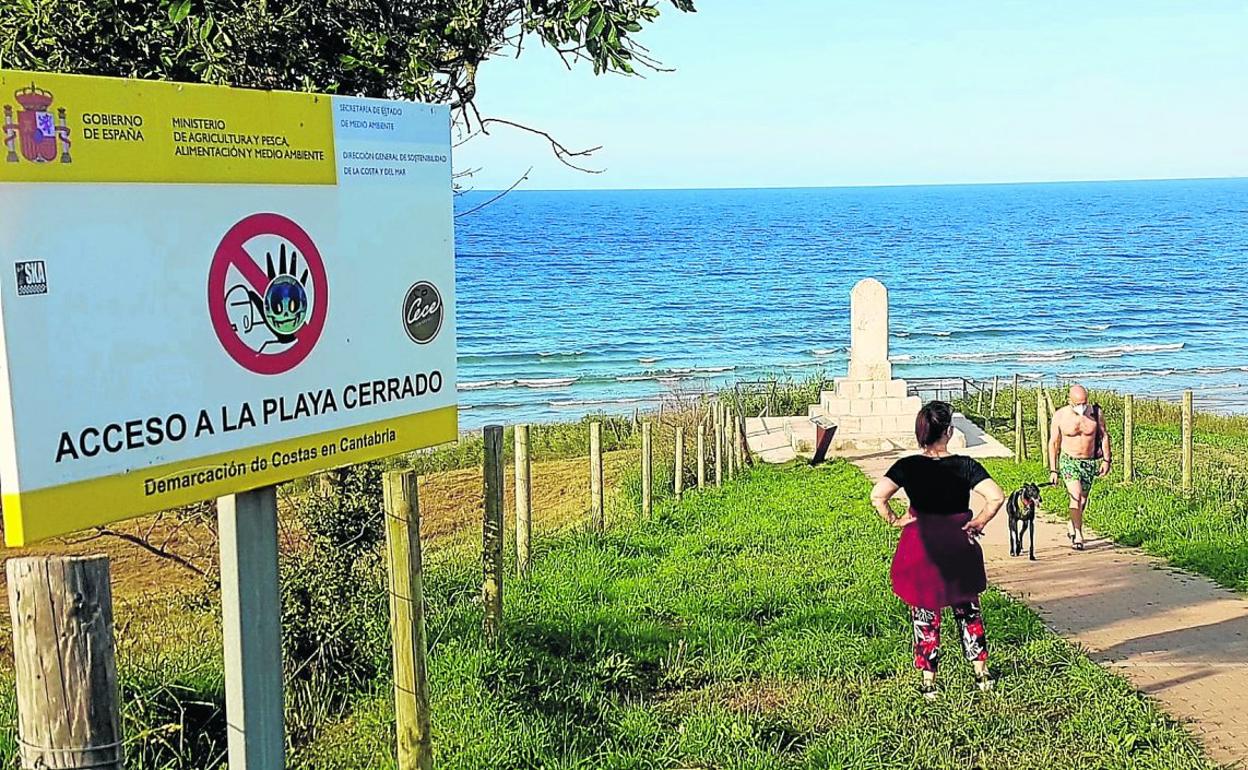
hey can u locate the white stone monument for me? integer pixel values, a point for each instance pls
(870, 408)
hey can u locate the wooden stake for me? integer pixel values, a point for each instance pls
(1128, 438)
(407, 621)
(250, 612)
(524, 502)
(1019, 444)
(678, 480)
(738, 443)
(63, 660)
(719, 448)
(992, 408)
(1042, 426)
(492, 532)
(701, 455)
(1187, 441)
(597, 515)
(1016, 398)
(647, 475)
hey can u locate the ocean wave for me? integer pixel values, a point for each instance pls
(1063, 354)
(702, 369)
(649, 360)
(825, 351)
(1098, 327)
(1043, 357)
(537, 383)
(900, 358)
(569, 356)
(572, 403)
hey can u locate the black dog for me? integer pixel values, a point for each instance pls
(1021, 508)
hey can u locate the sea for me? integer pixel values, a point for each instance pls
(575, 302)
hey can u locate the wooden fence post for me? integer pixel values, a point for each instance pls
(251, 632)
(1128, 438)
(979, 401)
(524, 500)
(65, 672)
(1019, 445)
(1187, 440)
(407, 621)
(992, 408)
(492, 532)
(597, 515)
(678, 481)
(701, 455)
(738, 443)
(1016, 398)
(719, 447)
(647, 475)
(1042, 426)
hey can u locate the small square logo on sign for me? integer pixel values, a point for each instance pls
(32, 278)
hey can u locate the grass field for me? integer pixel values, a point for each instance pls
(749, 627)
(1205, 530)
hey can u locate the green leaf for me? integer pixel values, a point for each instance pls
(579, 9)
(179, 10)
(632, 26)
(597, 25)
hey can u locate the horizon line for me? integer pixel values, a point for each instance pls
(864, 186)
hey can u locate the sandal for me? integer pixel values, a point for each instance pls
(985, 681)
(929, 690)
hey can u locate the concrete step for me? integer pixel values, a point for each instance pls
(851, 389)
(777, 456)
(835, 406)
(762, 442)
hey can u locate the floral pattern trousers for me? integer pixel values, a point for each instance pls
(927, 635)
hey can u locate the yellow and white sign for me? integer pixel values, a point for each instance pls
(206, 290)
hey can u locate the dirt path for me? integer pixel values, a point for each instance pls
(1177, 637)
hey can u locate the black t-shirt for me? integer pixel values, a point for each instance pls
(938, 485)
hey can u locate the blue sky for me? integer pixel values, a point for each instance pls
(828, 93)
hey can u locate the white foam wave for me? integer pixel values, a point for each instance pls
(1063, 354)
(649, 360)
(1098, 327)
(574, 402)
(824, 351)
(554, 382)
(900, 358)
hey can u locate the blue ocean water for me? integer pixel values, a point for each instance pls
(571, 302)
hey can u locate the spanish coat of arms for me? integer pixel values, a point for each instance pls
(38, 133)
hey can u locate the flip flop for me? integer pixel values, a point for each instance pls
(1076, 546)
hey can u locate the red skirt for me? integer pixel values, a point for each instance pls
(936, 565)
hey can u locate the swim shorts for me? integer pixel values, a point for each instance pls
(1082, 468)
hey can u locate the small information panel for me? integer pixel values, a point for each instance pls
(206, 290)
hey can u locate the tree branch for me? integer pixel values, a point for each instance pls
(514, 185)
(156, 550)
(561, 152)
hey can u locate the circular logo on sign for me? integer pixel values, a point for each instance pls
(422, 312)
(267, 293)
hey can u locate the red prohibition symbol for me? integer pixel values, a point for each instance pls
(271, 317)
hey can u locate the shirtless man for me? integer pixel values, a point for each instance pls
(1075, 457)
